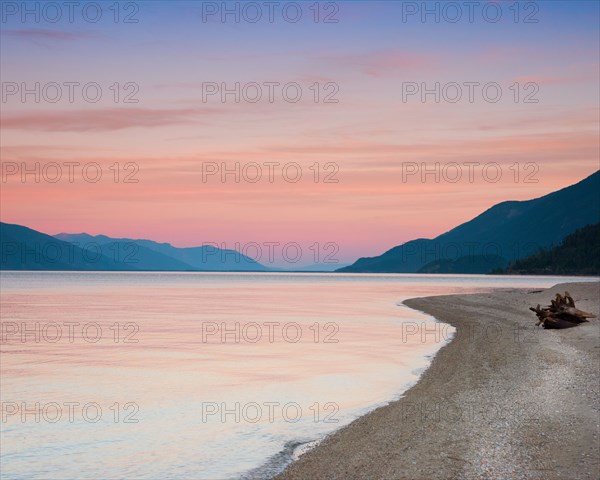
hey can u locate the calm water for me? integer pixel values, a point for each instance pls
(203, 376)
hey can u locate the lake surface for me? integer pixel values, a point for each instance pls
(204, 375)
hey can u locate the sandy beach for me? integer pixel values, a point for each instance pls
(504, 400)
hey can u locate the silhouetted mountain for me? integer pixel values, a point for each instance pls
(578, 254)
(25, 249)
(150, 255)
(127, 252)
(509, 230)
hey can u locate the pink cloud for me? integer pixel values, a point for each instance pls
(379, 64)
(106, 119)
(581, 76)
(45, 34)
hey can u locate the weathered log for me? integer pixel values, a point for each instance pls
(574, 312)
(557, 323)
(561, 313)
(569, 299)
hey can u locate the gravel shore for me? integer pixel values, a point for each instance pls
(504, 400)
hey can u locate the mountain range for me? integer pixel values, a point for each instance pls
(27, 249)
(164, 256)
(505, 232)
(490, 242)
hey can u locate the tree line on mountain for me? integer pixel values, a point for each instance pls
(577, 254)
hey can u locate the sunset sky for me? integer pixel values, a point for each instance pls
(369, 141)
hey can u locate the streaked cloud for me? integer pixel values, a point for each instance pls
(106, 119)
(383, 62)
(45, 34)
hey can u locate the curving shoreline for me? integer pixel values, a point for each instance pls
(504, 399)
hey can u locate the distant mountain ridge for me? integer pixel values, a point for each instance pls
(22, 248)
(505, 232)
(168, 257)
(25, 249)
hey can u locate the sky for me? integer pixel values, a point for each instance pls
(343, 127)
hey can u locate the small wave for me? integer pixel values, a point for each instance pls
(280, 461)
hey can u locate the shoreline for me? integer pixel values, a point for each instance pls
(503, 399)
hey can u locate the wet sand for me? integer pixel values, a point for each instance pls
(504, 400)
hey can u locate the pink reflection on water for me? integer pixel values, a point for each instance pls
(160, 346)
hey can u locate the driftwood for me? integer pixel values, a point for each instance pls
(561, 313)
